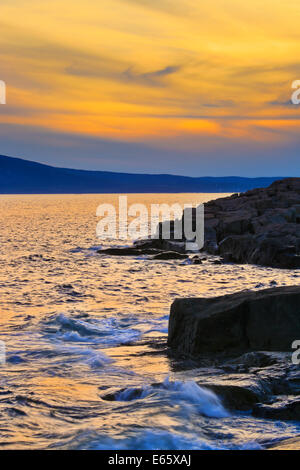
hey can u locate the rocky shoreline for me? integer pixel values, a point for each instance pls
(261, 226)
(246, 321)
(239, 346)
(248, 336)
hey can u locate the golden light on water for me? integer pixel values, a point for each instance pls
(80, 327)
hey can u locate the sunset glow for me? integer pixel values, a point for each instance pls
(160, 76)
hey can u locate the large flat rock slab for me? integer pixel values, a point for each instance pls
(266, 320)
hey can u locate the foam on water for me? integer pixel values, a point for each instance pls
(204, 401)
(105, 332)
(91, 357)
(154, 440)
(79, 326)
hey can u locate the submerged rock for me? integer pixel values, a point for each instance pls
(128, 251)
(170, 255)
(267, 320)
(149, 247)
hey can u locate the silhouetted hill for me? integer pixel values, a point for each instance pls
(18, 176)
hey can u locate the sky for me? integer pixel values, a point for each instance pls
(154, 86)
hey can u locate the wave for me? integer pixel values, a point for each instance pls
(148, 439)
(154, 440)
(92, 357)
(107, 332)
(205, 401)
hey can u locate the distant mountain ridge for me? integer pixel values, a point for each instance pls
(18, 176)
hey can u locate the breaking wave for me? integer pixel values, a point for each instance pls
(205, 401)
(107, 332)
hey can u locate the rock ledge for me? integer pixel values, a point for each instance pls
(266, 320)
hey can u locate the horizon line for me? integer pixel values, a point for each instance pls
(146, 174)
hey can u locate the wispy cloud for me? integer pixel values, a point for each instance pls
(205, 74)
(170, 7)
(154, 78)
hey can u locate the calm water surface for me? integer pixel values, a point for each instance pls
(78, 326)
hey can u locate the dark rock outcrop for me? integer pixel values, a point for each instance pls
(255, 359)
(235, 397)
(260, 383)
(287, 409)
(267, 320)
(261, 226)
(160, 245)
(148, 247)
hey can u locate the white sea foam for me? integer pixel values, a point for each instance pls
(154, 440)
(92, 357)
(205, 401)
(106, 332)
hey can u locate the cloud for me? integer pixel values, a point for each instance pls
(95, 67)
(104, 68)
(170, 7)
(282, 103)
(151, 78)
(149, 70)
(259, 69)
(170, 69)
(193, 156)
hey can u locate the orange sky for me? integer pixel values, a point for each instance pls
(168, 75)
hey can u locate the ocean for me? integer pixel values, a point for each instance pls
(80, 328)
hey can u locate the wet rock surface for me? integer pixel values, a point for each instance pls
(287, 409)
(247, 337)
(264, 392)
(235, 397)
(246, 321)
(261, 385)
(158, 249)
